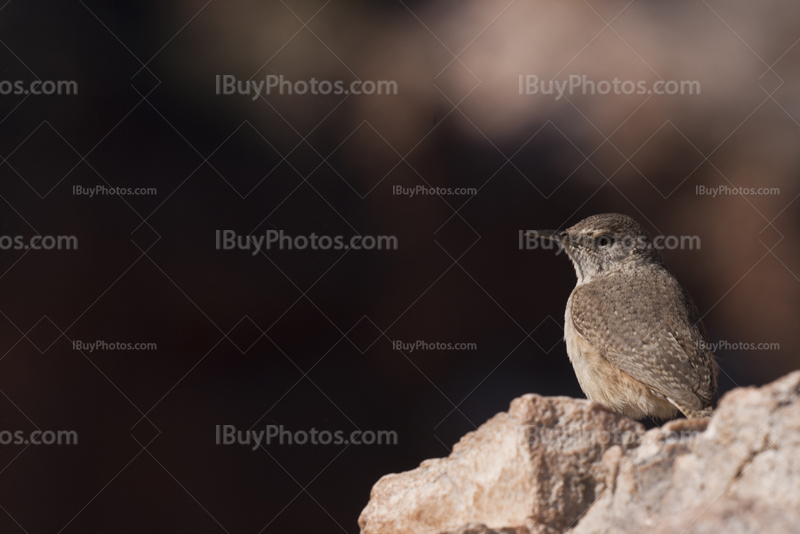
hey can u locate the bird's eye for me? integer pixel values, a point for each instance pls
(604, 241)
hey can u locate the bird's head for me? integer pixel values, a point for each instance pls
(602, 243)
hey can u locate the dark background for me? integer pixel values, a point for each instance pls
(303, 338)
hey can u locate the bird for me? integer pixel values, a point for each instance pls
(633, 334)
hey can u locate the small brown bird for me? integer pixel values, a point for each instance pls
(633, 335)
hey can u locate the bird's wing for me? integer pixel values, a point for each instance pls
(646, 325)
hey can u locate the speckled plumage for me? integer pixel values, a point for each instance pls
(633, 335)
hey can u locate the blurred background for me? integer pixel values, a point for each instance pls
(303, 338)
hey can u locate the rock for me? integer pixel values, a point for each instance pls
(554, 464)
(529, 467)
(749, 454)
(731, 515)
(479, 528)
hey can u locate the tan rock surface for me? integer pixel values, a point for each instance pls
(553, 465)
(528, 467)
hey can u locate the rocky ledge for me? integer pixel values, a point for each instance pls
(555, 464)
